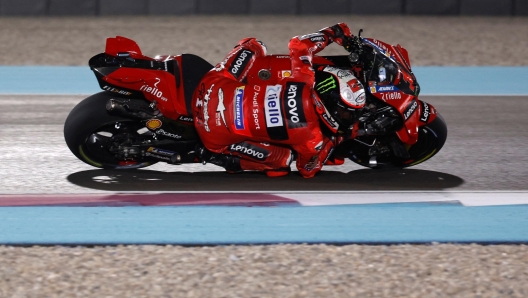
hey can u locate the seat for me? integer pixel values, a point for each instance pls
(193, 68)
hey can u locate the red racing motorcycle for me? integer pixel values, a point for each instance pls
(144, 114)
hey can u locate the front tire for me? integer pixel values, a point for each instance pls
(431, 138)
(90, 132)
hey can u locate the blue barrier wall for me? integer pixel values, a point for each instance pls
(299, 7)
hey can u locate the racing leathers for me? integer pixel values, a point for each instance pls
(264, 127)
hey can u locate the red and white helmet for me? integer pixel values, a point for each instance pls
(341, 92)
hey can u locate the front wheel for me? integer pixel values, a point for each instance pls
(376, 153)
(103, 140)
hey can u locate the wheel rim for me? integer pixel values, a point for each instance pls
(100, 148)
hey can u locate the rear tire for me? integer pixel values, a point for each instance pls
(89, 130)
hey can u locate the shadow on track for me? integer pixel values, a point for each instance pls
(365, 179)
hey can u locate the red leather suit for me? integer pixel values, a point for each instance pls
(262, 124)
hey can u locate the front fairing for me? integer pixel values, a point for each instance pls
(390, 79)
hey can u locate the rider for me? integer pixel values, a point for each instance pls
(264, 127)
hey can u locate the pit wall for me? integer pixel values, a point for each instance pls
(256, 7)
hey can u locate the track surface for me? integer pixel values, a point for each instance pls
(485, 151)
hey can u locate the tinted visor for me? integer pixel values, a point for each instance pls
(347, 116)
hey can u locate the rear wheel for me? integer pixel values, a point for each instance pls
(103, 140)
(376, 153)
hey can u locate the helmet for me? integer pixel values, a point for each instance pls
(341, 92)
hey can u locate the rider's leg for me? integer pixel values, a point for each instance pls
(272, 159)
(251, 156)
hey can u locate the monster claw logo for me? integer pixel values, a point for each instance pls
(326, 85)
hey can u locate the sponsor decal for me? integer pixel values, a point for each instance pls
(312, 164)
(426, 112)
(250, 150)
(391, 95)
(377, 45)
(340, 73)
(344, 74)
(306, 59)
(218, 120)
(385, 50)
(273, 113)
(157, 156)
(255, 106)
(240, 62)
(272, 106)
(372, 86)
(199, 105)
(282, 57)
(167, 134)
(411, 108)
(376, 89)
(115, 90)
(294, 104)
(326, 85)
(311, 35)
(359, 99)
(186, 118)
(154, 90)
(207, 97)
(317, 102)
(220, 108)
(153, 124)
(328, 155)
(355, 85)
(386, 88)
(161, 151)
(199, 102)
(331, 122)
(239, 108)
(285, 73)
(220, 66)
(320, 38)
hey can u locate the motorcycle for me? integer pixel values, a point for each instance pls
(144, 115)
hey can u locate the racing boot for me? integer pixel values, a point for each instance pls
(230, 163)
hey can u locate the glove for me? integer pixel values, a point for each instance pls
(340, 34)
(353, 44)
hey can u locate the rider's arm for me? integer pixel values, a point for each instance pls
(340, 34)
(302, 48)
(313, 154)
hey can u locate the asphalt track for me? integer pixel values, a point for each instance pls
(483, 163)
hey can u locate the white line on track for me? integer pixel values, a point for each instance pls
(329, 198)
(494, 198)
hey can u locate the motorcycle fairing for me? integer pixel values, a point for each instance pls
(167, 80)
(392, 81)
(119, 44)
(156, 85)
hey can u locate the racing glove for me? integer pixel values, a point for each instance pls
(340, 34)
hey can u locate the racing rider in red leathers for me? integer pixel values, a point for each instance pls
(264, 127)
